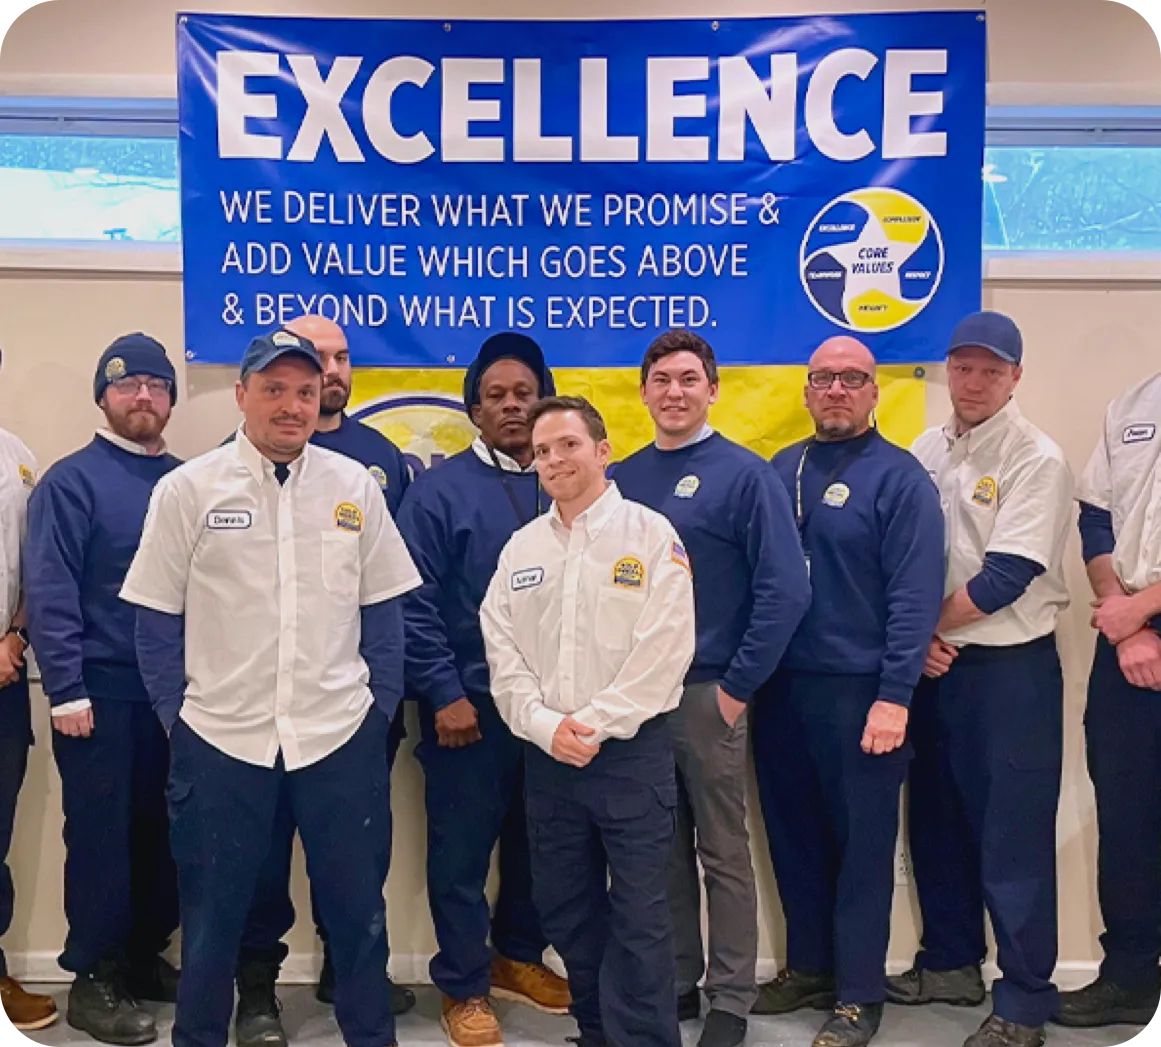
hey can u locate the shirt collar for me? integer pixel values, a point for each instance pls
(704, 434)
(507, 463)
(259, 466)
(595, 516)
(980, 435)
(128, 445)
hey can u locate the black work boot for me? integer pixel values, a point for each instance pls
(257, 1022)
(400, 998)
(722, 1029)
(689, 1005)
(1104, 1002)
(793, 990)
(153, 978)
(999, 1032)
(850, 1025)
(100, 1005)
(963, 987)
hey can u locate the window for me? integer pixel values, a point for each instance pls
(88, 170)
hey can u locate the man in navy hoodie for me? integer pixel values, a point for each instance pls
(751, 590)
(456, 519)
(830, 729)
(85, 521)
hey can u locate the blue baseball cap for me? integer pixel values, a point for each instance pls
(992, 331)
(274, 345)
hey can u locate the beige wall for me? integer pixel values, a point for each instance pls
(1087, 339)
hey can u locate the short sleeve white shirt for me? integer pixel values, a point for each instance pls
(270, 579)
(1005, 488)
(1124, 476)
(17, 478)
(594, 621)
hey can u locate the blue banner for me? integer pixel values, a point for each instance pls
(766, 182)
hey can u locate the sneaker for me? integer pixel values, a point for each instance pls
(689, 1006)
(401, 998)
(100, 1005)
(722, 1029)
(999, 1032)
(851, 1025)
(532, 984)
(1103, 1002)
(963, 987)
(26, 1011)
(793, 990)
(258, 1021)
(471, 1023)
(153, 979)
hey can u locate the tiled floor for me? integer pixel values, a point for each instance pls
(311, 1025)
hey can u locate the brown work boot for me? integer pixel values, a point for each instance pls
(532, 984)
(26, 1010)
(471, 1023)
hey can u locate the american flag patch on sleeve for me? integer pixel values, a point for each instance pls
(680, 556)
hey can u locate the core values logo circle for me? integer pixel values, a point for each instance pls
(872, 259)
(426, 427)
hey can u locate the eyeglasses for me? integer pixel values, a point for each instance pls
(130, 385)
(852, 379)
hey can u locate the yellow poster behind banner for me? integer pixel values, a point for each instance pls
(760, 407)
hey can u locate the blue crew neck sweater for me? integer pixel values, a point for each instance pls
(876, 554)
(371, 448)
(749, 578)
(84, 525)
(456, 520)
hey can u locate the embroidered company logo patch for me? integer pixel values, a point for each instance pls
(285, 338)
(529, 578)
(687, 486)
(115, 368)
(629, 573)
(1141, 433)
(27, 477)
(349, 517)
(985, 492)
(229, 519)
(378, 475)
(836, 496)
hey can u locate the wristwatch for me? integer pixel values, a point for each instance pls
(20, 631)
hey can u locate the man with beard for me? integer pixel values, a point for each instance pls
(456, 520)
(272, 916)
(85, 522)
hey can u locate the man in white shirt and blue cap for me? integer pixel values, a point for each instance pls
(589, 625)
(271, 638)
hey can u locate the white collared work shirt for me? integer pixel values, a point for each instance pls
(1005, 488)
(17, 478)
(1123, 476)
(270, 579)
(593, 622)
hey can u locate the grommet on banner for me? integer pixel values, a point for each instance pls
(714, 26)
(447, 27)
(920, 372)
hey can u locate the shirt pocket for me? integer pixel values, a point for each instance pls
(340, 565)
(617, 614)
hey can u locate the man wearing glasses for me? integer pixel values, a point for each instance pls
(987, 717)
(830, 727)
(85, 522)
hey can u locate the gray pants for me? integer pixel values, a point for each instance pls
(711, 825)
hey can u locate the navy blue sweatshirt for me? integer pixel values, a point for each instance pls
(84, 524)
(370, 447)
(876, 553)
(750, 585)
(456, 520)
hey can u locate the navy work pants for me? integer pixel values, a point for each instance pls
(1123, 736)
(223, 813)
(985, 784)
(601, 838)
(272, 913)
(832, 818)
(474, 802)
(15, 739)
(120, 883)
